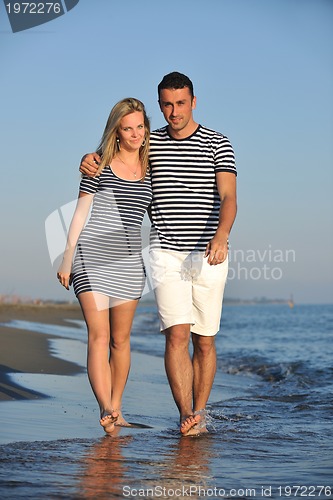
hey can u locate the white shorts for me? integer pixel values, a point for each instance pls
(188, 290)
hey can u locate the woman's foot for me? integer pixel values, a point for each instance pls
(121, 421)
(108, 420)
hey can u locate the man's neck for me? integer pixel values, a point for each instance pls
(183, 133)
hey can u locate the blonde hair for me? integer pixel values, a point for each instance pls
(108, 146)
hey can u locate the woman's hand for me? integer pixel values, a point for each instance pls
(64, 276)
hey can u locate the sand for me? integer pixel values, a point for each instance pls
(43, 377)
(28, 352)
(52, 446)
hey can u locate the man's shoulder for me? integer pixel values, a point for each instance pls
(160, 132)
(209, 132)
(202, 134)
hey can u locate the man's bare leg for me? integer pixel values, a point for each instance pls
(179, 370)
(204, 369)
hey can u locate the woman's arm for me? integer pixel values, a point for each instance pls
(79, 219)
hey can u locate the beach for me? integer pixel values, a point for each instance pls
(23, 351)
(269, 415)
(50, 366)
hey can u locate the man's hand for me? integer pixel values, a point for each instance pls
(89, 164)
(217, 250)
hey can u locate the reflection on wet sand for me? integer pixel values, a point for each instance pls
(186, 467)
(104, 467)
(118, 466)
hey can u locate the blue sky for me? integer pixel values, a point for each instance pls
(263, 75)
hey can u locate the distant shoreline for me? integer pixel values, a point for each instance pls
(40, 303)
(47, 310)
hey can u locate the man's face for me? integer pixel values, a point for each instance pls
(177, 106)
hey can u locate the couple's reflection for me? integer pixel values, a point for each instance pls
(186, 466)
(103, 468)
(123, 465)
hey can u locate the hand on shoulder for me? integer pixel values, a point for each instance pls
(89, 164)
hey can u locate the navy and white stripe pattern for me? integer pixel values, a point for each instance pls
(186, 203)
(108, 258)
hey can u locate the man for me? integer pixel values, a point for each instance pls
(193, 209)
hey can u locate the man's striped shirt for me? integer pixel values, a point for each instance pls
(186, 203)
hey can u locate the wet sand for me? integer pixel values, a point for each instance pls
(23, 351)
(43, 378)
(40, 380)
(52, 446)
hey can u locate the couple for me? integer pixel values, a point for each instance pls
(189, 189)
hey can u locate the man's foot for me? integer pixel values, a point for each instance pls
(108, 420)
(189, 426)
(202, 425)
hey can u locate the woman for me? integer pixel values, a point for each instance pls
(108, 272)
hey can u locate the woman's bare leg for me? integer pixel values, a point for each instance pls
(121, 319)
(95, 308)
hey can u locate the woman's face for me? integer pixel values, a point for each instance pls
(131, 132)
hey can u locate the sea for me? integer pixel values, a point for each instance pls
(269, 418)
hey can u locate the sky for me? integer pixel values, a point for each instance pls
(263, 76)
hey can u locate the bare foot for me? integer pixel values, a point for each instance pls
(201, 427)
(121, 422)
(108, 420)
(188, 427)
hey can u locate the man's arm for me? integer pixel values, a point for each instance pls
(217, 248)
(89, 164)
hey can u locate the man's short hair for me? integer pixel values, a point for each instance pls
(175, 80)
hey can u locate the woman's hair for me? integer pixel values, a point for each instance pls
(108, 146)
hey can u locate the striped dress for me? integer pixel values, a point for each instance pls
(108, 257)
(186, 202)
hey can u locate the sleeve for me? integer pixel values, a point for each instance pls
(224, 156)
(89, 184)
